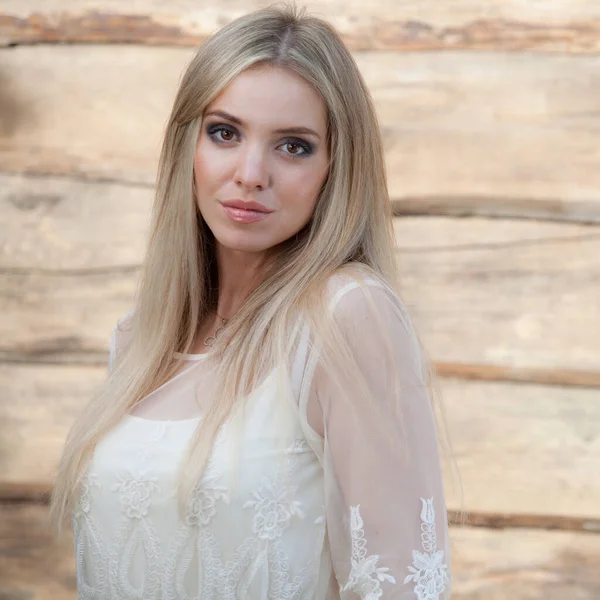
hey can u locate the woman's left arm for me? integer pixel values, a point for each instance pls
(384, 495)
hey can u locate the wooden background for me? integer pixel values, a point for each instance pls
(490, 112)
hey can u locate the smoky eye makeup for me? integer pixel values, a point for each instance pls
(307, 147)
(213, 130)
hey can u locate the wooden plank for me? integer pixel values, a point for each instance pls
(486, 372)
(85, 117)
(503, 293)
(527, 443)
(493, 299)
(565, 26)
(55, 224)
(448, 14)
(43, 402)
(479, 133)
(519, 445)
(486, 564)
(524, 564)
(470, 133)
(525, 521)
(34, 565)
(60, 338)
(62, 317)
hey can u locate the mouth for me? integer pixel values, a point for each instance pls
(242, 215)
(249, 205)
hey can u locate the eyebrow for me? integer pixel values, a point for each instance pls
(286, 130)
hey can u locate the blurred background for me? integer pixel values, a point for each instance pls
(490, 113)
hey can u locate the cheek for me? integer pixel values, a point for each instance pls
(306, 186)
(199, 170)
(209, 170)
(298, 197)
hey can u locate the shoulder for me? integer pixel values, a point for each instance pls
(123, 327)
(364, 303)
(358, 289)
(124, 322)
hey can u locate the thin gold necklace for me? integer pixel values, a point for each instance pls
(210, 340)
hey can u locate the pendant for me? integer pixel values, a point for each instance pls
(214, 337)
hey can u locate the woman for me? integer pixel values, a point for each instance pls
(265, 429)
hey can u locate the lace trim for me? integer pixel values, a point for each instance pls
(428, 571)
(365, 576)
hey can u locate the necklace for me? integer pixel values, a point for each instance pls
(210, 340)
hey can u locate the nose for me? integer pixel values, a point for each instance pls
(252, 168)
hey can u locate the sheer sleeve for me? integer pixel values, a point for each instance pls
(384, 498)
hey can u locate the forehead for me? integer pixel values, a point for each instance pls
(270, 96)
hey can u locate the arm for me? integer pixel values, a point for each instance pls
(385, 506)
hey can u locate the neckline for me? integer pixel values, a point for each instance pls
(145, 420)
(142, 420)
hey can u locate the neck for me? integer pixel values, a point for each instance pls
(238, 274)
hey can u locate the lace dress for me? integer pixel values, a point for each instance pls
(319, 504)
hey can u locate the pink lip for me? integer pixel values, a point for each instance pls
(246, 205)
(239, 215)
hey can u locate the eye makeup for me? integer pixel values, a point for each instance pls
(212, 130)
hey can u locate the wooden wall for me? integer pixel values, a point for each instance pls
(490, 116)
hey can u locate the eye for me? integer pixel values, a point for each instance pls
(227, 133)
(297, 148)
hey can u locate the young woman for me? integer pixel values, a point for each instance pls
(266, 429)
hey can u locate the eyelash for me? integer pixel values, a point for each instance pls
(307, 148)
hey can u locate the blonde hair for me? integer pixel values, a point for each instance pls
(351, 230)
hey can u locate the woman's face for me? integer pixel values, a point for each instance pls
(263, 139)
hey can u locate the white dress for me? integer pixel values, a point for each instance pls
(309, 517)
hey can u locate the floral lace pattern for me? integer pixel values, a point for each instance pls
(136, 494)
(365, 576)
(89, 547)
(274, 508)
(260, 557)
(109, 567)
(428, 570)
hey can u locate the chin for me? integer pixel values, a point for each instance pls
(244, 241)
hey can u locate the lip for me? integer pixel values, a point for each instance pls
(250, 205)
(240, 215)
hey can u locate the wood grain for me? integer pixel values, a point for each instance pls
(486, 564)
(508, 294)
(558, 26)
(58, 224)
(472, 133)
(528, 565)
(486, 372)
(451, 13)
(515, 445)
(34, 565)
(58, 317)
(523, 450)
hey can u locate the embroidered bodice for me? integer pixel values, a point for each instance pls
(355, 513)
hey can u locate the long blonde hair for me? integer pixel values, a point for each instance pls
(351, 227)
